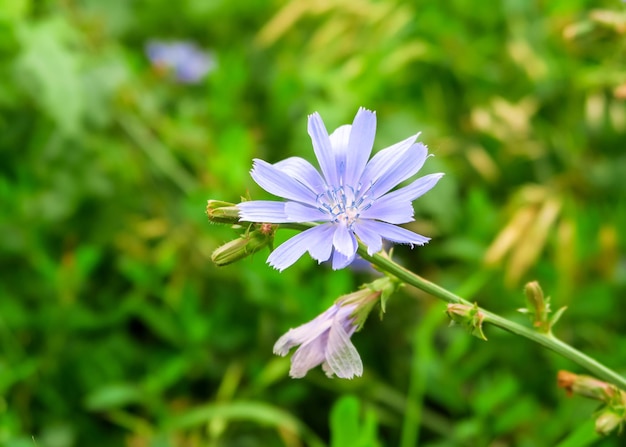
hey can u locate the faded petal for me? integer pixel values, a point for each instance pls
(305, 332)
(262, 211)
(341, 356)
(308, 356)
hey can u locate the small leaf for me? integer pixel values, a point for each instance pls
(113, 396)
(344, 421)
(557, 315)
(48, 70)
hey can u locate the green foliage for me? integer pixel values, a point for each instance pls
(346, 425)
(116, 328)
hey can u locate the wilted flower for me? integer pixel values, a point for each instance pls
(588, 386)
(351, 198)
(324, 340)
(188, 62)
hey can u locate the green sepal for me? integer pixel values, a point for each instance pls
(469, 317)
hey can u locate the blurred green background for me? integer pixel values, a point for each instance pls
(116, 329)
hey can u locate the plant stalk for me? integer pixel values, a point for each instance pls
(547, 340)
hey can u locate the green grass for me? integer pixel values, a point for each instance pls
(115, 327)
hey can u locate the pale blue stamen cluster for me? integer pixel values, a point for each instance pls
(344, 204)
(352, 198)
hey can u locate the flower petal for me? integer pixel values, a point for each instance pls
(360, 145)
(411, 192)
(344, 241)
(366, 231)
(392, 211)
(262, 211)
(321, 249)
(341, 356)
(322, 148)
(398, 234)
(297, 212)
(304, 172)
(274, 181)
(292, 249)
(339, 140)
(385, 160)
(340, 261)
(305, 332)
(396, 207)
(344, 316)
(407, 164)
(308, 356)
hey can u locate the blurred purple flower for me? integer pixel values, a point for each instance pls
(188, 62)
(351, 198)
(324, 340)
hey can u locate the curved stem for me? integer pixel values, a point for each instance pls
(546, 340)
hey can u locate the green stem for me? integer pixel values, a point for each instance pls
(546, 340)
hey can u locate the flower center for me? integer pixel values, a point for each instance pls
(344, 204)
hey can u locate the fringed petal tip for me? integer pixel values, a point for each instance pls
(280, 351)
(425, 241)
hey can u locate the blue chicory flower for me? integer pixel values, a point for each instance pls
(188, 62)
(352, 198)
(324, 340)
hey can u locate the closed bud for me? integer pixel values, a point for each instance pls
(586, 386)
(470, 317)
(242, 247)
(222, 212)
(535, 297)
(607, 421)
(538, 308)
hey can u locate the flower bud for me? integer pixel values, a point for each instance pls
(222, 212)
(538, 308)
(588, 386)
(470, 317)
(607, 421)
(242, 247)
(534, 295)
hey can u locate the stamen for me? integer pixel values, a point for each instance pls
(343, 204)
